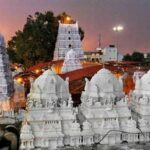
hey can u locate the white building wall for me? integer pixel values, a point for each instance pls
(110, 54)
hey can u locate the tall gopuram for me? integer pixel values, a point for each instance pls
(50, 121)
(6, 81)
(140, 104)
(71, 62)
(68, 36)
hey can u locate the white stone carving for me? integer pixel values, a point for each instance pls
(68, 35)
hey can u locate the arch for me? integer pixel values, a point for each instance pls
(13, 129)
(124, 142)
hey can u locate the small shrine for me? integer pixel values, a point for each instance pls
(71, 62)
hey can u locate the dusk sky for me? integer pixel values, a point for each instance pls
(94, 16)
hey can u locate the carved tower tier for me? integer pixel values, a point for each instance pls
(6, 81)
(68, 36)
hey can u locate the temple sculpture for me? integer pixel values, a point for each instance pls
(140, 105)
(50, 114)
(71, 62)
(105, 107)
(105, 115)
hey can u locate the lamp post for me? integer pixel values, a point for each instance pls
(117, 29)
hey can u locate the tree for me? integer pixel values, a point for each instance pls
(127, 57)
(137, 56)
(37, 40)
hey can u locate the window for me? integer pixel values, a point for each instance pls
(69, 38)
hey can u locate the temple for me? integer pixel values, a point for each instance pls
(105, 107)
(51, 116)
(71, 62)
(105, 115)
(68, 35)
(140, 105)
(6, 81)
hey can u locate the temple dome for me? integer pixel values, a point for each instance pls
(50, 84)
(146, 81)
(107, 82)
(143, 85)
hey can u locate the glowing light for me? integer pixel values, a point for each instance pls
(19, 80)
(68, 18)
(16, 67)
(118, 28)
(114, 28)
(37, 71)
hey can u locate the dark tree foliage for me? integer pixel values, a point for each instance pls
(36, 42)
(135, 56)
(127, 57)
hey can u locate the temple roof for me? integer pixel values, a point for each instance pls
(47, 81)
(107, 82)
(143, 85)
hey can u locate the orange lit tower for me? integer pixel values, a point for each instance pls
(68, 36)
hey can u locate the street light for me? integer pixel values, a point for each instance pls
(117, 29)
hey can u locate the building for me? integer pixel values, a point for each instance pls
(68, 36)
(11, 93)
(104, 116)
(95, 56)
(51, 116)
(6, 81)
(109, 53)
(140, 105)
(71, 62)
(105, 107)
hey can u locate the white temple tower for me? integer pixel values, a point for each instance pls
(140, 104)
(105, 107)
(71, 62)
(68, 36)
(51, 115)
(6, 81)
